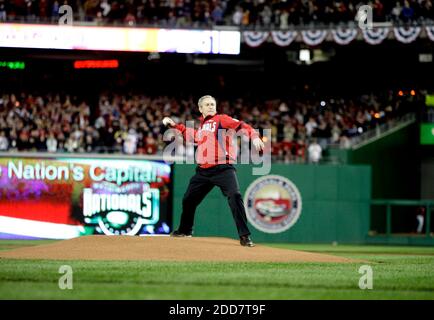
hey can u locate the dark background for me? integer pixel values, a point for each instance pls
(263, 72)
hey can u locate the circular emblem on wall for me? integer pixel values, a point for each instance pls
(273, 204)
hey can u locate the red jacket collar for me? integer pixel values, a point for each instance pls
(202, 119)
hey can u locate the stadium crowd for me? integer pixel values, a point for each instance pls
(203, 13)
(131, 124)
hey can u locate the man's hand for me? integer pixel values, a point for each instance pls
(168, 122)
(258, 144)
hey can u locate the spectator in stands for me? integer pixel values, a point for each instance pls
(51, 143)
(237, 16)
(4, 142)
(3, 14)
(289, 132)
(323, 133)
(13, 140)
(55, 11)
(335, 133)
(396, 12)
(266, 15)
(283, 21)
(31, 122)
(300, 151)
(407, 12)
(378, 10)
(71, 145)
(315, 152)
(61, 142)
(130, 142)
(150, 144)
(427, 11)
(105, 9)
(130, 19)
(23, 142)
(345, 142)
(311, 126)
(217, 15)
(205, 13)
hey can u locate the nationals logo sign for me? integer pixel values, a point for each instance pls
(273, 204)
(121, 213)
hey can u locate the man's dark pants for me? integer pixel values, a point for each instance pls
(201, 184)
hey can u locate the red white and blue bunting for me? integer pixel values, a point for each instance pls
(430, 32)
(344, 36)
(375, 35)
(313, 37)
(255, 38)
(283, 38)
(406, 34)
(340, 36)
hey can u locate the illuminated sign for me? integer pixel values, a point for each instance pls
(63, 198)
(96, 64)
(13, 65)
(119, 39)
(429, 100)
(427, 133)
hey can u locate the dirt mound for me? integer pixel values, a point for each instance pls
(162, 248)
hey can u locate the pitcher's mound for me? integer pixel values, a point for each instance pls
(163, 249)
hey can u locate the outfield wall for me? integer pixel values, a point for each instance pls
(335, 203)
(395, 162)
(396, 173)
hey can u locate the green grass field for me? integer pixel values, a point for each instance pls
(398, 273)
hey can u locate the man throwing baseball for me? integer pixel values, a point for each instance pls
(215, 157)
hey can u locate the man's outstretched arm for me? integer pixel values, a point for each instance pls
(168, 122)
(231, 123)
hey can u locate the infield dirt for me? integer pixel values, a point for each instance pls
(163, 248)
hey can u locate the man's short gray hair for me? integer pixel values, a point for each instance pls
(203, 98)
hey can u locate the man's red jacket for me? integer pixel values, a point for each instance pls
(214, 139)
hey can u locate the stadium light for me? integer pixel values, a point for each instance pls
(304, 55)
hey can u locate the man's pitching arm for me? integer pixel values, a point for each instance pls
(231, 123)
(168, 122)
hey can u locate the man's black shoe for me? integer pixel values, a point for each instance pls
(246, 241)
(178, 233)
